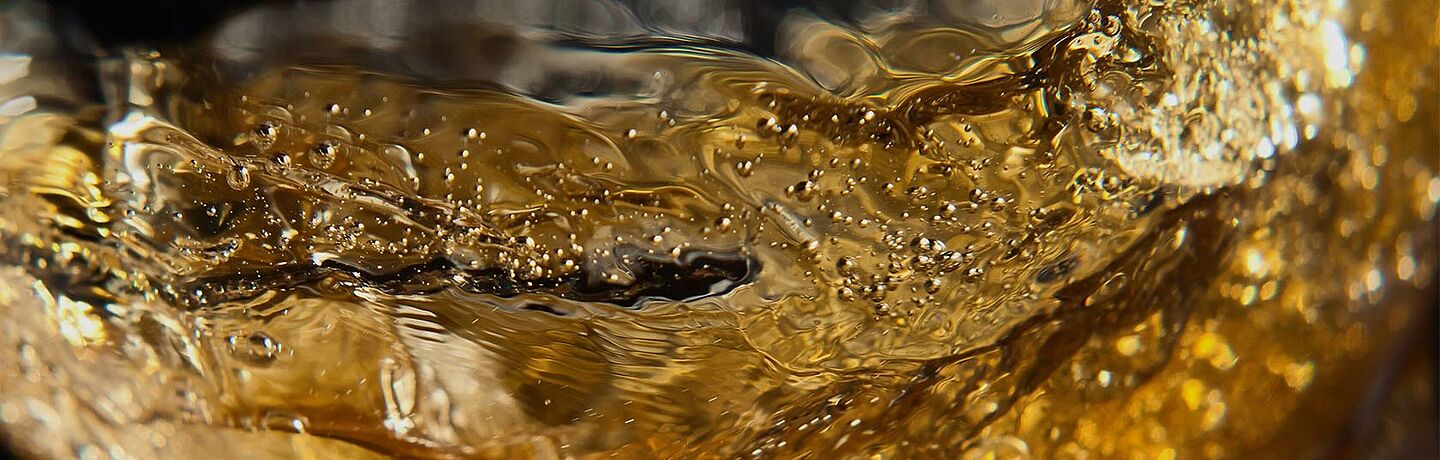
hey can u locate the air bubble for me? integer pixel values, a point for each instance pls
(255, 348)
(238, 178)
(745, 168)
(323, 155)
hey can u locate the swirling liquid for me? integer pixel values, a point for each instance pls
(931, 230)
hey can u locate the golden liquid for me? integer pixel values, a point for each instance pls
(1191, 230)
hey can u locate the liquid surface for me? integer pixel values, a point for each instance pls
(552, 230)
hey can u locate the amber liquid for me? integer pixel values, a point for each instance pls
(1128, 231)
